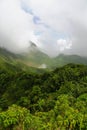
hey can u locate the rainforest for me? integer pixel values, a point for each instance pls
(44, 100)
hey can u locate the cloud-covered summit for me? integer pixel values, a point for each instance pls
(56, 26)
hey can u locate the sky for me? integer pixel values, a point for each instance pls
(55, 26)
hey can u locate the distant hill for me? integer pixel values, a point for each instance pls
(62, 60)
(34, 57)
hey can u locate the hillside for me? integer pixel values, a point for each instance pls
(8, 60)
(35, 58)
(14, 62)
(66, 59)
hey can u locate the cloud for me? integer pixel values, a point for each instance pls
(67, 17)
(56, 26)
(16, 26)
(64, 44)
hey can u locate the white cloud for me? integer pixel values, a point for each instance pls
(67, 17)
(59, 13)
(16, 26)
(64, 44)
(62, 25)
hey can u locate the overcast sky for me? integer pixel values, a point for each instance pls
(56, 26)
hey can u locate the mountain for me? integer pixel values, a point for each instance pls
(63, 59)
(11, 62)
(35, 58)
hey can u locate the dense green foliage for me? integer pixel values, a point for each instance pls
(54, 100)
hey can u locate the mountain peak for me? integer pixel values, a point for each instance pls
(32, 44)
(33, 47)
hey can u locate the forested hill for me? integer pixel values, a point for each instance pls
(13, 63)
(55, 100)
(34, 57)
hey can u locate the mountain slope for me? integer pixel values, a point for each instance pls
(66, 59)
(14, 62)
(34, 57)
(8, 60)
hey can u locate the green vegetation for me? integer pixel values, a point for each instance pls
(35, 58)
(36, 99)
(13, 63)
(48, 100)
